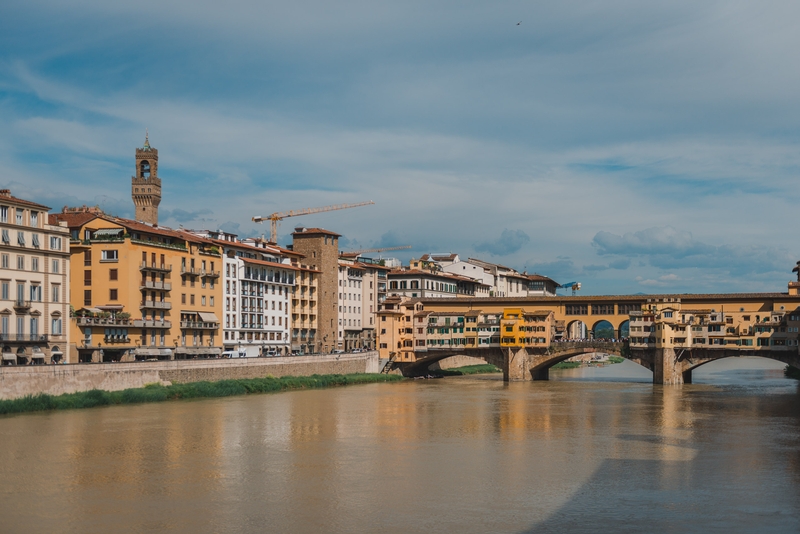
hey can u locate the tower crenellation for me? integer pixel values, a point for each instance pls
(145, 184)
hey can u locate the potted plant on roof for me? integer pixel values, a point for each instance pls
(123, 317)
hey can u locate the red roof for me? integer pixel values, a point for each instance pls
(73, 219)
(319, 231)
(5, 195)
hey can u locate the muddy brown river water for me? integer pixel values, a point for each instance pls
(592, 450)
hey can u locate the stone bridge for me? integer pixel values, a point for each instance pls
(669, 366)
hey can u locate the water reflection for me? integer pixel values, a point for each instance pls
(591, 449)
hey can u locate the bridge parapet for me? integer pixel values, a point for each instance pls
(614, 347)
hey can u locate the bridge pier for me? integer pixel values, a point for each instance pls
(516, 365)
(667, 370)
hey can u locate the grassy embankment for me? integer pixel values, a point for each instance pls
(194, 390)
(792, 372)
(479, 369)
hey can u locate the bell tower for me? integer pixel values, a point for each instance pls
(145, 184)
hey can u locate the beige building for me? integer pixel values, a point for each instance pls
(362, 283)
(34, 283)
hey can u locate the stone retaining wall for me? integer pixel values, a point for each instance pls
(19, 381)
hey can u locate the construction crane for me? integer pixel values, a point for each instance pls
(278, 216)
(574, 286)
(358, 253)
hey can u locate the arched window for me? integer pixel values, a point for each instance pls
(144, 167)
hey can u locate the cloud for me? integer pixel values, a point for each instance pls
(183, 216)
(510, 241)
(666, 247)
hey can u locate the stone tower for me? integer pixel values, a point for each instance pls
(145, 184)
(321, 250)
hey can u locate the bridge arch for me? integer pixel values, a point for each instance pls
(624, 329)
(690, 365)
(576, 329)
(603, 329)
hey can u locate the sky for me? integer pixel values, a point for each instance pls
(635, 147)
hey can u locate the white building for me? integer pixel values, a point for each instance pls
(34, 284)
(258, 279)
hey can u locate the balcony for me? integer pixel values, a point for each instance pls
(152, 323)
(21, 304)
(157, 267)
(149, 284)
(99, 321)
(199, 325)
(116, 339)
(27, 338)
(156, 304)
(209, 273)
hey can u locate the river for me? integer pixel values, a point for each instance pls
(593, 449)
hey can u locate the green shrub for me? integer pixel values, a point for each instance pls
(157, 393)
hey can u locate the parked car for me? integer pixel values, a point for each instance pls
(234, 354)
(356, 351)
(337, 351)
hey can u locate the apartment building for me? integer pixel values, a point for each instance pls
(140, 291)
(362, 283)
(34, 283)
(259, 281)
(419, 283)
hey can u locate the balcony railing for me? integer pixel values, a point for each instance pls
(159, 267)
(33, 338)
(209, 273)
(152, 323)
(149, 284)
(99, 321)
(156, 304)
(116, 339)
(199, 325)
(22, 304)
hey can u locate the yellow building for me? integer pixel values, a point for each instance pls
(140, 291)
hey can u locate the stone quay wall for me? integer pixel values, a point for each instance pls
(19, 381)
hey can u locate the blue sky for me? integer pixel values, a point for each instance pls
(632, 146)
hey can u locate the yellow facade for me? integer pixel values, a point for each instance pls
(142, 292)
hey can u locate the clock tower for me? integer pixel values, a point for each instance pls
(145, 184)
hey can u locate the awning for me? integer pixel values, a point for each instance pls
(207, 317)
(56, 353)
(9, 356)
(109, 232)
(90, 310)
(38, 356)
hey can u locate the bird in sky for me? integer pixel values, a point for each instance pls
(518, 23)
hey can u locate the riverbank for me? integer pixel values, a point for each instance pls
(479, 369)
(193, 390)
(792, 372)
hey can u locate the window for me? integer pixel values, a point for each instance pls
(35, 264)
(191, 300)
(576, 309)
(183, 298)
(109, 255)
(4, 214)
(4, 290)
(211, 301)
(35, 240)
(87, 257)
(21, 263)
(112, 294)
(87, 277)
(55, 327)
(4, 261)
(668, 314)
(21, 238)
(113, 274)
(55, 293)
(203, 300)
(55, 243)
(19, 216)
(55, 268)
(87, 297)
(6, 237)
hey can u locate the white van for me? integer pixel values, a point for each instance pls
(234, 354)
